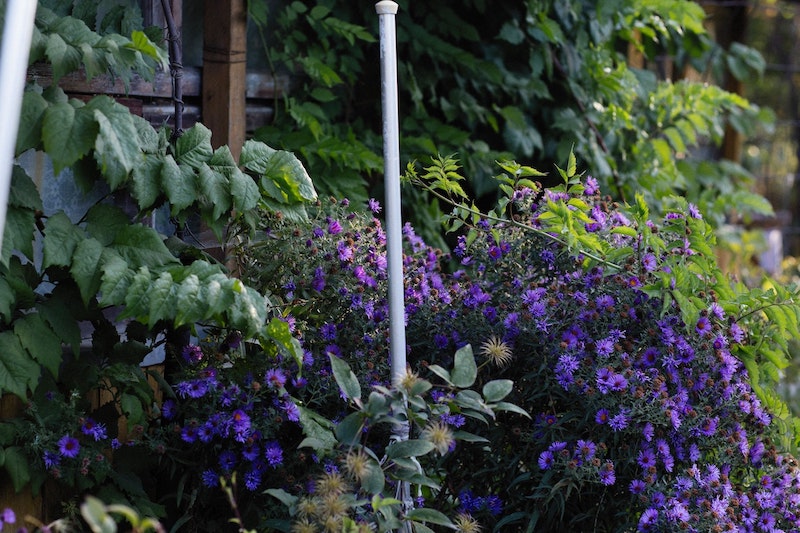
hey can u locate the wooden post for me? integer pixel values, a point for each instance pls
(224, 72)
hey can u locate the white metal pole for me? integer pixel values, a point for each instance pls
(387, 10)
(391, 164)
(17, 33)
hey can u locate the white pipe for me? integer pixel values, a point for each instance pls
(17, 33)
(391, 165)
(387, 10)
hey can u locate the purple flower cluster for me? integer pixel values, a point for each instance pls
(229, 419)
(626, 395)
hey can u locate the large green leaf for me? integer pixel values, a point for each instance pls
(281, 167)
(215, 190)
(104, 221)
(179, 182)
(409, 448)
(117, 277)
(61, 237)
(345, 378)
(142, 246)
(147, 181)
(68, 134)
(464, 369)
(17, 465)
(86, 269)
(42, 343)
(18, 233)
(193, 148)
(63, 56)
(30, 121)
(189, 307)
(117, 147)
(56, 312)
(18, 371)
(162, 299)
(7, 300)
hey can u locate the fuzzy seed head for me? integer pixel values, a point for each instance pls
(497, 351)
(357, 465)
(466, 524)
(440, 435)
(331, 483)
(304, 526)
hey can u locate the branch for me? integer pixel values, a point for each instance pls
(175, 67)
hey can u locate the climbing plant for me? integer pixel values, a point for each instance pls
(532, 80)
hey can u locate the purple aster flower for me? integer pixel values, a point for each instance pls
(209, 478)
(168, 409)
(68, 446)
(648, 431)
(274, 454)
(51, 459)
(495, 252)
(637, 486)
(694, 212)
(648, 521)
(227, 460)
(607, 474)
(318, 283)
(646, 458)
(275, 378)
(709, 426)
(620, 420)
(94, 430)
(493, 504)
(546, 459)
(291, 410)
(240, 422)
(703, 327)
(736, 332)
(252, 479)
(591, 187)
(585, 449)
(374, 205)
(649, 262)
(344, 251)
(8, 517)
(334, 227)
(192, 353)
(602, 416)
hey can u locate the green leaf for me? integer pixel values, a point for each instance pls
(64, 57)
(244, 191)
(348, 430)
(18, 232)
(141, 43)
(374, 481)
(30, 122)
(117, 146)
(465, 371)
(345, 378)
(429, 515)
(85, 269)
(7, 300)
(18, 371)
(496, 390)
(147, 181)
(68, 134)
(282, 496)
(17, 465)
(189, 307)
(281, 167)
(278, 330)
(193, 148)
(61, 237)
(140, 245)
(214, 188)
(317, 428)
(180, 184)
(409, 448)
(104, 221)
(42, 343)
(162, 299)
(132, 408)
(249, 311)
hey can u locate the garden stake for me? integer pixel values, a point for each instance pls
(16, 45)
(387, 10)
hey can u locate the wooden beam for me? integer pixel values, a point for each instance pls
(224, 83)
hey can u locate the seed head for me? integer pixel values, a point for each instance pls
(440, 435)
(497, 351)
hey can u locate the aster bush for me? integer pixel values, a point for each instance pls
(645, 372)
